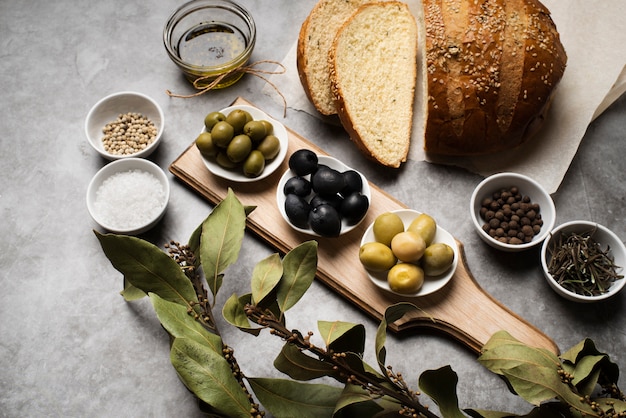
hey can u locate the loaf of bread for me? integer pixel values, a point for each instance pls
(373, 66)
(491, 69)
(487, 72)
(314, 42)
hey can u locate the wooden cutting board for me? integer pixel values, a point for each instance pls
(462, 309)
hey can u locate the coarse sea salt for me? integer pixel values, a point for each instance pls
(129, 199)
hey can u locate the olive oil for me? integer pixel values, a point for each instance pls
(211, 44)
(212, 49)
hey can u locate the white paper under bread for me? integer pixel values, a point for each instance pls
(593, 36)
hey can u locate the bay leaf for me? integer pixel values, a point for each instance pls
(265, 277)
(234, 313)
(289, 399)
(537, 384)
(221, 239)
(209, 376)
(300, 366)
(299, 270)
(441, 385)
(392, 314)
(131, 293)
(503, 352)
(180, 324)
(148, 268)
(342, 337)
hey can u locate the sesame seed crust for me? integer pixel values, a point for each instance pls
(492, 68)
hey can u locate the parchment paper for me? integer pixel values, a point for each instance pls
(592, 32)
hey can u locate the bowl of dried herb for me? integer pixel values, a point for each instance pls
(584, 261)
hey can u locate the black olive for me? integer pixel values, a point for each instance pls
(325, 220)
(298, 186)
(354, 207)
(303, 162)
(327, 181)
(354, 183)
(334, 201)
(297, 210)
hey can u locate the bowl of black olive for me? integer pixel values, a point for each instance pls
(321, 196)
(584, 261)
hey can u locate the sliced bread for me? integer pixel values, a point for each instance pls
(373, 72)
(314, 41)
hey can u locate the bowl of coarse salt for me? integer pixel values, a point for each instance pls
(128, 196)
(125, 125)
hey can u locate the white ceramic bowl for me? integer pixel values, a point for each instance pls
(431, 283)
(334, 164)
(527, 187)
(110, 107)
(236, 174)
(135, 196)
(603, 236)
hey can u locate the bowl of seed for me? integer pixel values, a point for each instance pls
(125, 124)
(128, 196)
(584, 261)
(512, 212)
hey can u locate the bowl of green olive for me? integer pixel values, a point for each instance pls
(241, 143)
(512, 212)
(584, 261)
(405, 252)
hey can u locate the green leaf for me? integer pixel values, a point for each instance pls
(265, 276)
(234, 313)
(209, 376)
(288, 399)
(587, 372)
(300, 366)
(180, 324)
(537, 384)
(392, 314)
(343, 337)
(299, 269)
(220, 242)
(131, 293)
(503, 352)
(146, 267)
(357, 402)
(609, 370)
(546, 410)
(440, 385)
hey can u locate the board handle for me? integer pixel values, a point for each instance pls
(466, 312)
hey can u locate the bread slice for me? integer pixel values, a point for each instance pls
(373, 72)
(314, 41)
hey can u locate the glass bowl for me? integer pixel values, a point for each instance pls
(208, 39)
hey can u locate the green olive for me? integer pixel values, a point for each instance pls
(425, 226)
(212, 118)
(205, 145)
(437, 259)
(223, 160)
(238, 118)
(405, 278)
(254, 164)
(255, 130)
(269, 147)
(376, 256)
(386, 226)
(222, 133)
(239, 148)
(269, 128)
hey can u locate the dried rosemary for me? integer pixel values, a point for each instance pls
(580, 265)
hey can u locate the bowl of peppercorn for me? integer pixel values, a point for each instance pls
(584, 261)
(512, 212)
(125, 124)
